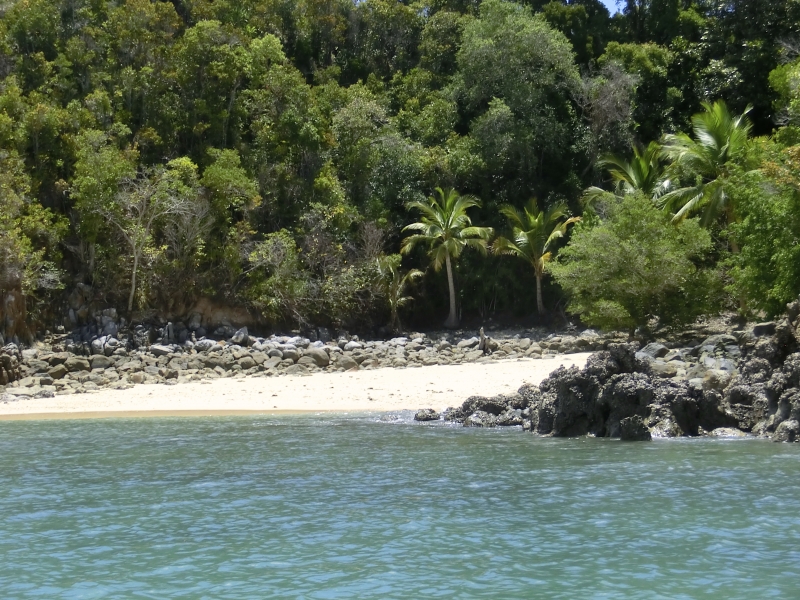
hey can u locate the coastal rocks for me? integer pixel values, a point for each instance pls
(10, 364)
(426, 414)
(633, 429)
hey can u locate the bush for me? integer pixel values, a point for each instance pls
(635, 266)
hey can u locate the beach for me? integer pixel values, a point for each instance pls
(378, 390)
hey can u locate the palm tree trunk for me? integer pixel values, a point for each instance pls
(539, 303)
(452, 319)
(133, 282)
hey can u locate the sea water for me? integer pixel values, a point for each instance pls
(381, 507)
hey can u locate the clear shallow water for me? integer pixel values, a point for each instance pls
(344, 507)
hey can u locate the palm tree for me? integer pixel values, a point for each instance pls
(534, 234)
(394, 286)
(642, 173)
(447, 229)
(719, 138)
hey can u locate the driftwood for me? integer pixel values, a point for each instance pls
(483, 345)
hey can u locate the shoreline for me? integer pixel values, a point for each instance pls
(373, 390)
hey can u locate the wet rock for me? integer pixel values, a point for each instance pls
(727, 432)
(633, 429)
(788, 431)
(511, 417)
(426, 414)
(480, 419)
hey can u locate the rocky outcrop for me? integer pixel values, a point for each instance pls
(10, 364)
(620, 394)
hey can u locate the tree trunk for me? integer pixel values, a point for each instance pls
(539, 302)
(452, 319)
(133, 282)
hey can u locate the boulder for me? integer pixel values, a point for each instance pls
(426, 414)
(633, 429)
(160, 350)
(346, 362)
(655, 350)
(480, 419)
(350, 346)
(296, 370)
(101, 361)
(511, 417)
(319, 356)
(241, 337)
(77, 363)
(246, 362)
(58, 371)
(204, 345)
(788, 431)
(764, 329)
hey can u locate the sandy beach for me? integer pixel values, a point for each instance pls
(369, 390)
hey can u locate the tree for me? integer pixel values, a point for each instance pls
(447, 229)
(719, 140)
(635, 266)
(144, 200)
(395, 284)
(643, 173)
(534, 233)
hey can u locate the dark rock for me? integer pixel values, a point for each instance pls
(426, 414)
(494, 406)
(480, 419)
(625, 395)
(764, 329)
(633, 429)
(511, 417)
(569, 403)
(655, 350)
(788, 431)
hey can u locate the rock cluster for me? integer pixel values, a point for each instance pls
(625, 393)
(104, 355)
(10, 364)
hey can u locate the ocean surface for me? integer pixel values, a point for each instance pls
(382, 507)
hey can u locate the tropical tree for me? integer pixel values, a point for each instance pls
(720, 138)
(447, 229)
(395, 284)
(534, 233)
(644, 173)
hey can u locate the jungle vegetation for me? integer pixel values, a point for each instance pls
(278, 154)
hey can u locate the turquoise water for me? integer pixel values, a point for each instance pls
(345, 507)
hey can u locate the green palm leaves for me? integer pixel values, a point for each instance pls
(706, 160)
(447, 229)
(719, 139)
(534, 233)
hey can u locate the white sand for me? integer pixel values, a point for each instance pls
(379, 390)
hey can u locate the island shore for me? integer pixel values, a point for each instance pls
(378, 390)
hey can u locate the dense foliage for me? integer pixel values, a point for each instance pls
(265, 152)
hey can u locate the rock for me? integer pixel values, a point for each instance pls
(319, 356)
(241, 337)
(77, 363)
(666, 370)
(204, 345)
(291, 354)
(426, 414)
(470, 343)
(58, 358)
(101, 361)
(764, 329)
(350, 346)
(510, 418)
(246, 362)
(272, 362)
(296, 370)
(655, 350)
(58, 371)
(633, 429)
(727, 432)
(137, 377)
(160, 350)
(346, 362)
(480, 419)
(788, 431)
